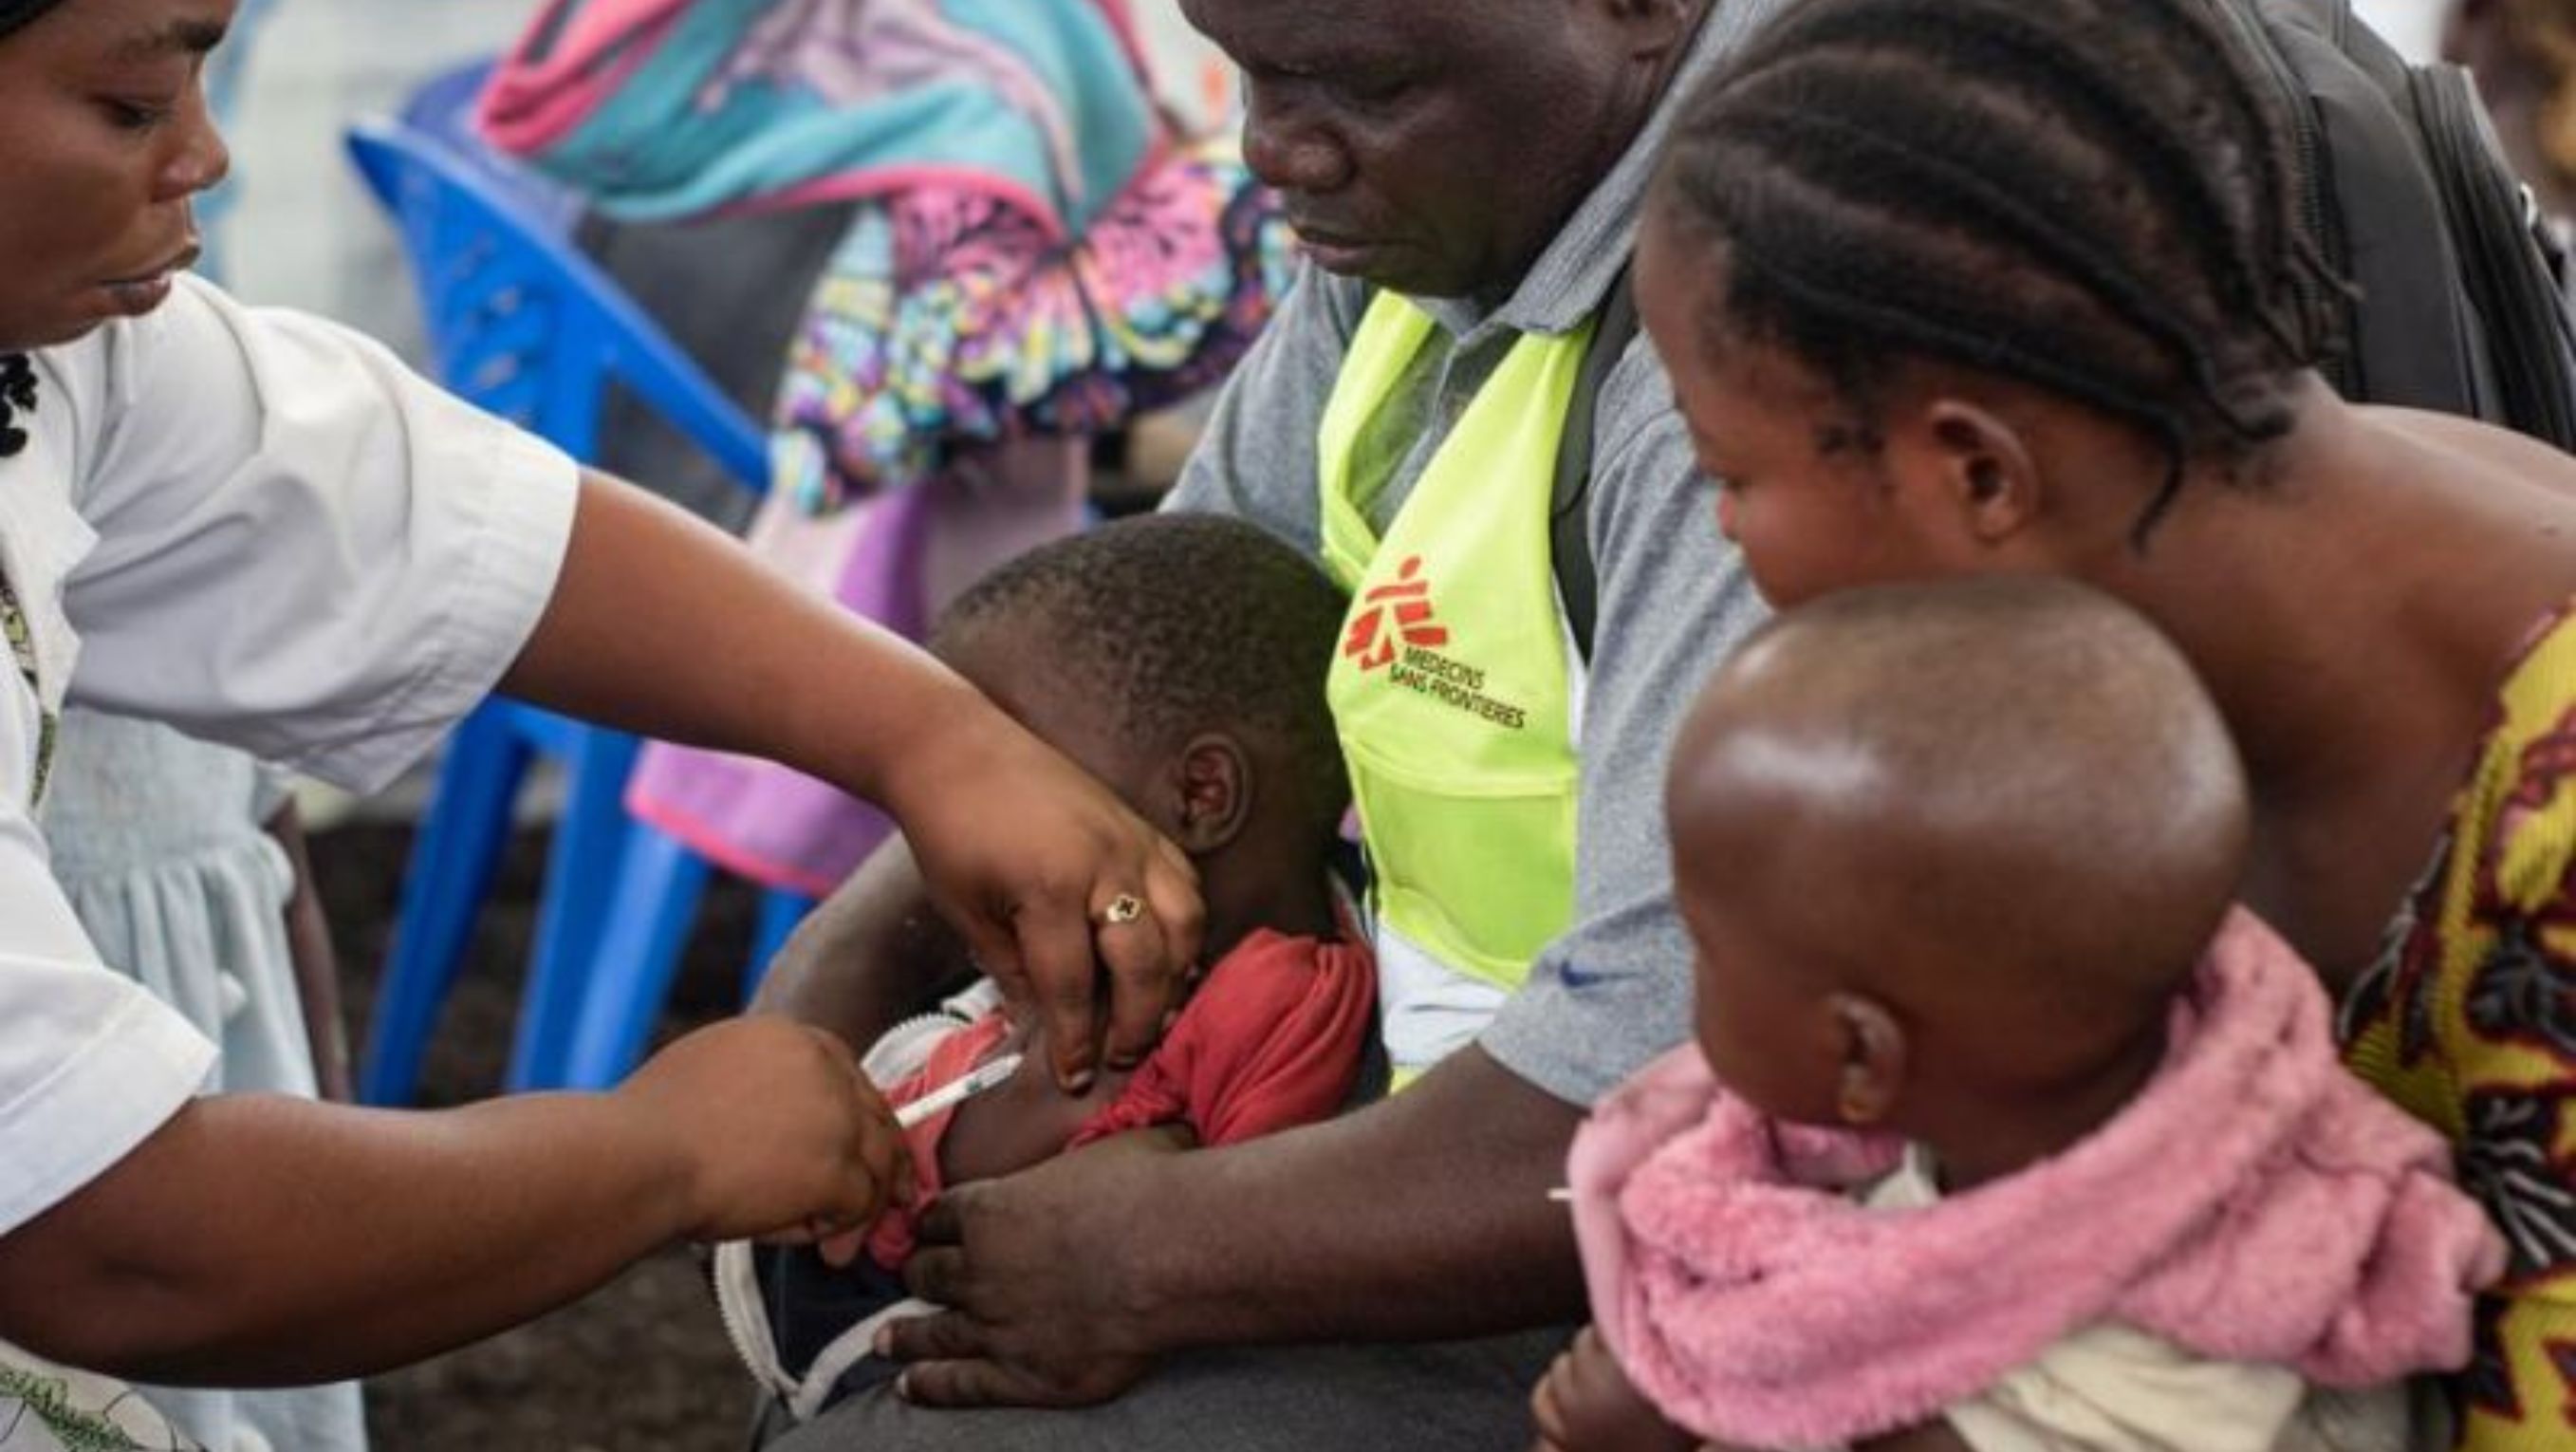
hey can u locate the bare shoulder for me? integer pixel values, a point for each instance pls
(2482, 447)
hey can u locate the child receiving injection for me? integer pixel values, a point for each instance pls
(2003, 1127)
(1180, 659)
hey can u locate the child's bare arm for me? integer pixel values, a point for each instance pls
(259, 1239)
(1029, 1120)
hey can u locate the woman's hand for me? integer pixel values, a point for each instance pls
(1586, 1404)
(1050, 878)
(784, 1139)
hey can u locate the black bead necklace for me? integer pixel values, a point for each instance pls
(17, 394)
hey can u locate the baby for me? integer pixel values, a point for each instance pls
(1181, 659)
(2026, 1136)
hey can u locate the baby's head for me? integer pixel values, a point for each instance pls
(1180, 659)
(1947, 852)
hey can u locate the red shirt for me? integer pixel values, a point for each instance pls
(1273, 1038)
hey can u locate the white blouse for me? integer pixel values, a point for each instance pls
(263, 529)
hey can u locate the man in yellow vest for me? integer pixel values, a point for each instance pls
(1465, 179)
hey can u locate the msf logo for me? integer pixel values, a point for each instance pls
(1396, 614)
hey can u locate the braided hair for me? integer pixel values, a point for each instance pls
(2096, 197)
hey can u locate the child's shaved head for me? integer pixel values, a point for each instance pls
(2005, 808)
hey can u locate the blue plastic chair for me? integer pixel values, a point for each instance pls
(658, 885)
(524, 327)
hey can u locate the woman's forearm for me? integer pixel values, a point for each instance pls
(214, 1251)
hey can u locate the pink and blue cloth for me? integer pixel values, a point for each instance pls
(664, 109)
(1034, 255)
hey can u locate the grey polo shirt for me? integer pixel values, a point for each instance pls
(1615, 990)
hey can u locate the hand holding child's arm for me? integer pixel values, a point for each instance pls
(1586, 1404)
(786, 1139)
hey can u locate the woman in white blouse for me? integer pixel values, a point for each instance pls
(261, 528)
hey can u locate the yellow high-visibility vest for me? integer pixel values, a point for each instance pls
(1456, 684)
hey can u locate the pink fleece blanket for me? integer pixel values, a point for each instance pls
(2255, 1203)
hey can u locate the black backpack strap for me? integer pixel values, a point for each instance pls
(2406, 192)
(1569, 535)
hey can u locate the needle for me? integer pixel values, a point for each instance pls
(991, 1074)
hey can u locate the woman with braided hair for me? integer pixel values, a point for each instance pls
(1978, 286)
(261, 528)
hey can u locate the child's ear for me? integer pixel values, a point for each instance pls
(1211, 781)
(1874, 1051)
(1984, 479)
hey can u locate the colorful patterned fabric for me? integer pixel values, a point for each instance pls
(998, 282)
(2469, 1022)
(1035, 256)
(659, 109)
(971, 332)
(950, 319)
(948, 325)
